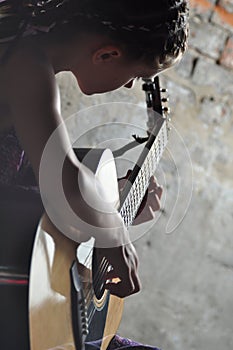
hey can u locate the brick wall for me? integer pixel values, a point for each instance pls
(212, 30)
(204, 78)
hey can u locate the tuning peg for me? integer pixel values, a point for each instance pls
(165, 99)
(163, 90)
(83, 313)
(85, 331)
(166, 110)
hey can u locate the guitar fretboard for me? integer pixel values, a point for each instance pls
(135, 188)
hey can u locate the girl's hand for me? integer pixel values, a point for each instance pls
(122, 280)
(150, 203)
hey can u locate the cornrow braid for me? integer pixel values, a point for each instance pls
(156, 32)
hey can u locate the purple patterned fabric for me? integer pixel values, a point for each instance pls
(118, 343)
(11, 157)
(15, 169)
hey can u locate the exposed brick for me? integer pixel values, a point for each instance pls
(217, 78)
(178, 93)
(227, 5)
(214, 111)
(227, 55)
(207, 38)
(202, 8)
(185, 67)
(223, 17)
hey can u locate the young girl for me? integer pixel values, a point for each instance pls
(106, 45)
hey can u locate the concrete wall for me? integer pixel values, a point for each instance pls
(187, 273)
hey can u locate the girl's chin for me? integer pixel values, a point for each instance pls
(83, 89)
(87, 91)
(96, 90)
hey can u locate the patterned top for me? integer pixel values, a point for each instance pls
(15, 169)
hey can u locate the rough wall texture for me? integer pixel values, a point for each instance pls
(186, 301)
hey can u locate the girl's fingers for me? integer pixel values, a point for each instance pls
(154, 202)
(125, 286)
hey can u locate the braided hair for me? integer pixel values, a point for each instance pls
(154, 31)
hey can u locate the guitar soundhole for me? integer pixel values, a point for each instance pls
(99, 269)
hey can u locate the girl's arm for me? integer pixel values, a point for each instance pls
(35, 108)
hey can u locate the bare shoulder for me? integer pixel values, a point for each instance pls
(33, 97)
(28, 72)
(26, 75)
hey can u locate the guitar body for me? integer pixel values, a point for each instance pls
(63, 303)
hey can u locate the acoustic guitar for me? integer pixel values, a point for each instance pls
(68, 304)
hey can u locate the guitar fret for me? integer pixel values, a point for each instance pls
(134, 198)
(147, 161)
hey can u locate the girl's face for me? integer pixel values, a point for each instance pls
(110, 75)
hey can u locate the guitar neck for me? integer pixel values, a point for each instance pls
(138, 181)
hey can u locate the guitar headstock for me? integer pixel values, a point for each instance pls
(155, 96)
(156, 100)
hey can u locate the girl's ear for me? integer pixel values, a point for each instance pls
(106, 54)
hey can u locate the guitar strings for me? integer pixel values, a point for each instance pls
(92, 312)
(92, 292)
(146, 170)
(97, 277)
(98, 281)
